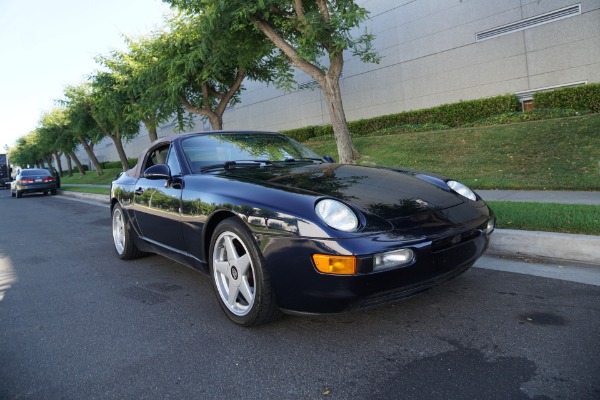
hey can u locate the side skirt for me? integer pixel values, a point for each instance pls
(182, 257)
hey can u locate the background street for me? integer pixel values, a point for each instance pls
(78, 323)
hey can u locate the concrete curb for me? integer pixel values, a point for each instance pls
(504, 242)
(101, 198)
(558, 246)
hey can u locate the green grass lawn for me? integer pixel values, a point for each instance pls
(91, 177)
(557, 154)
(547, 217)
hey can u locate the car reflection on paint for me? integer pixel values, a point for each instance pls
(33, 180)
(279, 228)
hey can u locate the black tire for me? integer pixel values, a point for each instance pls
(240, 279)
(12, 194)
(19, 194)
(121, 231)
(53, 192)
(45, 192)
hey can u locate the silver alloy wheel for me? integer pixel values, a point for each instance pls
(233, 273)
(118, 230)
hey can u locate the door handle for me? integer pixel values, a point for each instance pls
(139, 191)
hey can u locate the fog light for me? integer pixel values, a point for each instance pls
(393, 259)
(491, 225)
(338, 265)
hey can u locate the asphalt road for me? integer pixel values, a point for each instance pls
(78, 323)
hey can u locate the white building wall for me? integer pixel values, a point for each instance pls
(430, 56)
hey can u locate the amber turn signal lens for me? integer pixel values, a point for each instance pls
(338, 265)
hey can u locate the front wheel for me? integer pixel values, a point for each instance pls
(124, 245)
(240, 279)
(19, 194)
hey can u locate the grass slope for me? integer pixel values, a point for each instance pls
(557, 154)
(91, 177)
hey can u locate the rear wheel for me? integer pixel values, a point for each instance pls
(121, 232)
(53, 192)
(240, 279)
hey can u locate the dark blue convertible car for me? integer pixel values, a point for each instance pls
(279, 228)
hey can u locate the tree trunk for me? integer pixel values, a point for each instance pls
(216, 121)
(333, 96)
(78, 163)
(58, 163)
(69, 164)
(152, 134)
(122, 156)
(151, 127)
(329, 83)
(90, 152)
(215, 117)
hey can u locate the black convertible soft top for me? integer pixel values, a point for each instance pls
(136, 171)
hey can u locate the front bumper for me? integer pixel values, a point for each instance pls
(300, 288)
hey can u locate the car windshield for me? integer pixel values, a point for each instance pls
(31, 172)
(242, 149)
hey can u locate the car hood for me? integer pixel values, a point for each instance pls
(385, 192)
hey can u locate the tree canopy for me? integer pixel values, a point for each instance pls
(311, 34)
(197, 63)
(53, 136)
(199, 68)
(108, 104)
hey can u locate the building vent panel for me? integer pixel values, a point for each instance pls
(529, 23)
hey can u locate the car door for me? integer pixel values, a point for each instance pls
(157, 202)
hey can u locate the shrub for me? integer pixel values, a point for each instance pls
(584, 97)
(533, 115)
(451, 115)
(117, 164)
(392, 130)
(301, 134)
(111, 164)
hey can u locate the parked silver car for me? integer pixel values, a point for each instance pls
(31, 181)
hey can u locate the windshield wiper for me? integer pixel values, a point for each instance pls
(227, 165)
(302, 159)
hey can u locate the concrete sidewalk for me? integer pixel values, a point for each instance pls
(541, 196)
(513, 243)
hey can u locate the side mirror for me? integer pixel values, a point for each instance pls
(329, 159)
(158, 171)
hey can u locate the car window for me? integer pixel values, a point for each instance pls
(31, 172)
(157, 156)
(203, 150)
(173, 162)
